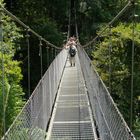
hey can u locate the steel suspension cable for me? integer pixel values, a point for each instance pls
(27, 27)
(130, 3)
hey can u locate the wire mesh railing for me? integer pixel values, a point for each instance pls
(32, 121)
(110, 123)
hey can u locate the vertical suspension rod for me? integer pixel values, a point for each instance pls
(110, 50)
(68, 35)
(47, 49)
(29, 74)
(3, 71)
(76, 26)
(132, 67)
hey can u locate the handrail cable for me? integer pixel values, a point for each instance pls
(130, 3)
(27, 27)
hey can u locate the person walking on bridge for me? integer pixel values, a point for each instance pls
(72, 50)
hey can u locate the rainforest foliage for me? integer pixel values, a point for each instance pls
(11, 93)
(50, 19)
(117, 65)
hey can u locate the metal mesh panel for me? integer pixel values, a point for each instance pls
(110, 122)
(71, 131)
(32, 121)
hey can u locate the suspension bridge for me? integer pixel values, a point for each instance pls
(69, 103)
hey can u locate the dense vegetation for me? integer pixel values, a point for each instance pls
(11, 92)
(120, 42)
(50, 19)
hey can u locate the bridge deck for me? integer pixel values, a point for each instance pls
(71, 119)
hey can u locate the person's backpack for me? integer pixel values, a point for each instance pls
(72, 51)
